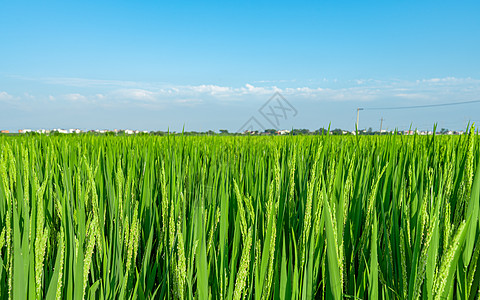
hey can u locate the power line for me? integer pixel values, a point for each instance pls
(422, 106)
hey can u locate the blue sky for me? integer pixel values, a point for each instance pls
(211, 65)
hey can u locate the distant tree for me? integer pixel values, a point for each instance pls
(337, 131)
(300, 131)
(370, 130)
(223, 131)
(320, 131)
(444, 130)
(270, 131)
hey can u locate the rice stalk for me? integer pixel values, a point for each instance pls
(243, 270)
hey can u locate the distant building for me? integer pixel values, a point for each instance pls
(282, 132)
(4, 131)
(59, 130)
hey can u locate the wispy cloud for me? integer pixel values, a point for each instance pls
(75, 97)
(189, 102)
(81, 82)
(135, 94)
(108, 92)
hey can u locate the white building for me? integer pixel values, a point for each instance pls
(282, 132)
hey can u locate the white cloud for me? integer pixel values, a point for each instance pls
(449, 81)
(250, 89)
(412, 96)
(29, 96)
(363, 90)
(189, 102)
(112, 92)
(4, 96)
(136, 94)
(75, 97)
(82, 82)
(210, 89)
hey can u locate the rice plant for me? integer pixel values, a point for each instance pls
(177, 217)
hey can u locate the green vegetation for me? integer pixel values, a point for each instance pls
(176, 217)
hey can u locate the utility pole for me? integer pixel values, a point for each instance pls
(381, 123)
(358, 113)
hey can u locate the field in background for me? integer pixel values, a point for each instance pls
(391, 217)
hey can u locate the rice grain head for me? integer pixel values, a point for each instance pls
(243, 270)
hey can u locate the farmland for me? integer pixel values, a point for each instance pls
(175, 217)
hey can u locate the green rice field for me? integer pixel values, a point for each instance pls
(210, 217)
